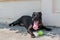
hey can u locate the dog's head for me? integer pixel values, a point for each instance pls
(36, 18)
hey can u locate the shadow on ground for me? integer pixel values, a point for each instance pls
(21, 30)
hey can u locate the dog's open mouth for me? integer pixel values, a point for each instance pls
(35, 25)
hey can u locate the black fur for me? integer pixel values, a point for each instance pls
(27, 22)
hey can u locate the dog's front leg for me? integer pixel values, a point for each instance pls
(48, 29)
(30, 31)
(43, 27)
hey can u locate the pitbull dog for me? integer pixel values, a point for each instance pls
(33, 23)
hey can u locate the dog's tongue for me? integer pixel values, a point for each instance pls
(35, 25)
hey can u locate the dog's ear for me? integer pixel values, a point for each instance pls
(33, 14)
(40, 13)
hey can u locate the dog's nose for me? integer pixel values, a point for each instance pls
(36, 18)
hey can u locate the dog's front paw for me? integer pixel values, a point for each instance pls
(33, 36)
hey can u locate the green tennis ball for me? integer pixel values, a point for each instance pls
(40, 33)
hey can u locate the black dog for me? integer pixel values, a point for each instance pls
(28, 23)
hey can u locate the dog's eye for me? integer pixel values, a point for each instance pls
(34, 15)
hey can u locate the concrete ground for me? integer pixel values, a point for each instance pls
(19, 33)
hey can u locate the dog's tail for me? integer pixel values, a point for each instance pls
(10, 24)
(17, 22)
(13, 23)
